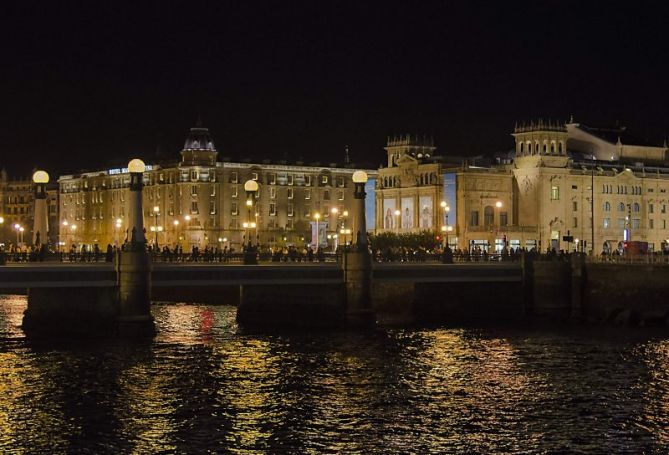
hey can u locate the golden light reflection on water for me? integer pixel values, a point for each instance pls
(203, 385)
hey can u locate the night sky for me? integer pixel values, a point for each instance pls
(87, 87)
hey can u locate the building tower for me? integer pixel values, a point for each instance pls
(412, 145)
(545, 143)
(199, 148)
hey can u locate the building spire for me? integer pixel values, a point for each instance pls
(347, 157)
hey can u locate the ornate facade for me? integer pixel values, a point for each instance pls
(201, 202)
(538, 196)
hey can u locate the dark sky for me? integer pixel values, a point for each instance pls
(87, 86)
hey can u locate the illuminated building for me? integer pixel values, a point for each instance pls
(200, 201)
(536, 196)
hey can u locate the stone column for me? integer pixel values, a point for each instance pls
(134, 265)
(41, 215)
(357, 263)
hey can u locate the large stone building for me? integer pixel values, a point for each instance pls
(200, 201)
(539, 196)
(17, 209)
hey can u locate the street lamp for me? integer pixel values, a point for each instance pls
(117, 226)
(156, 214)
(397, 223)
(17, 228)
(317, 216)
(251, 188)
(498, 205)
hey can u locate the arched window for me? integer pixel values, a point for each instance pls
(488, 215)
(522, 146)
(552, 148)
(621, 207)
(560, 148)
(607, 207)
(636, 207)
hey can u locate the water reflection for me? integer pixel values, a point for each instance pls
(204, 384)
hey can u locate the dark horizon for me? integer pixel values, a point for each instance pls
(93, 86)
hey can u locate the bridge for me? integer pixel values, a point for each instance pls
(175, 275)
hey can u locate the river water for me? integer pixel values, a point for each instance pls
(205, 385)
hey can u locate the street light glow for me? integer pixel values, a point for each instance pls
(498, 204)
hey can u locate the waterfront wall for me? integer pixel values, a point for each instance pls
(635, 294)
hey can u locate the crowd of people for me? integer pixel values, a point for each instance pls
(286, 253)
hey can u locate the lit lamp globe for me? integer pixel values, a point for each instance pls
(136, 166)
(41, 177)
(359, 177)
(251, 186)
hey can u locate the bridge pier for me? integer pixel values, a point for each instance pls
(357, 263)
(134, 294)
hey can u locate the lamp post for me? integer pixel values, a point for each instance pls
(117, 226)
(17, 228)
(175, 223)
(251, 188)
(156, 214)
(41, 214)
(335, 225)
(317, 217)
(498, 205)
(445, 207)
(64, 224)
(2, 225)
(397, 223)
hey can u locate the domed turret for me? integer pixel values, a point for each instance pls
(199, 149)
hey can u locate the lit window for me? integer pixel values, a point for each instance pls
(555, 193)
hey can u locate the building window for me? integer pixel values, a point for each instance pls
(488, 215)
(555, 193)
(621, 207)
(234, 191)
(503, 219)
(607, 206)
(193, 175)
(636, 207)
(212, 208)
(326, 195)
(193, 190)
(272, 209)
(341, 195)
(234, 177)
(291, 209)
(340, 182)
(574, 206)
(272, 193)
(636, 223)
(213, 190)
(324, 179)
(574, 187)
(289, 223)
(650, 208)
(607, 223)
(290, 193)
(651, 225)
(575, 224)
(193, 207)
(474, 218)
(234, 209)
(307, 194)
(307, 180)
(290, 179)
(272, 179)
(663, 209)
(621, 223)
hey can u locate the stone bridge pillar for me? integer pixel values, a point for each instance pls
(133, 265)
(357, 263)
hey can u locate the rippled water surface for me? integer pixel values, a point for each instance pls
(205, 385)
